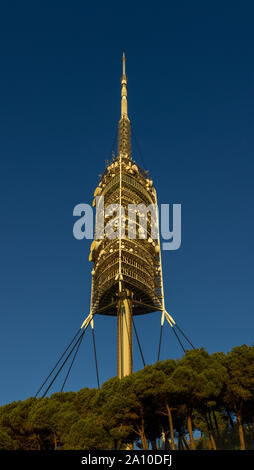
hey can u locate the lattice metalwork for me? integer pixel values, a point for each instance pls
(133, 261)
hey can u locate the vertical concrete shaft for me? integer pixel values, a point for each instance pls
(124, 335)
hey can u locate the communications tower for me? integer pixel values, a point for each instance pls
(127, 270)
(126, 255)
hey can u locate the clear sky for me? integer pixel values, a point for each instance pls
(191, 98)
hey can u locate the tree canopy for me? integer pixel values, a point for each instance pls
(201, 401)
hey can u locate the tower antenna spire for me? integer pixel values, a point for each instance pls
(124, 91)
(124, 127)
(123, 63)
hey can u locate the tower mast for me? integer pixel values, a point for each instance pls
(126, 275)
(124, 304)
(124, 91)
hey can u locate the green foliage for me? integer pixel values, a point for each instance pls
(209, 393)
(6, 442)
(239, 376)
(88, 434)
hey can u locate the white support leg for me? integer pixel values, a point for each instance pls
(87, 321)
(170, 319)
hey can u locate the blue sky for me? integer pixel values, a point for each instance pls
(191, 98)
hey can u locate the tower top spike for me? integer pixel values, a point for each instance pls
(123, 63)
(124, 91)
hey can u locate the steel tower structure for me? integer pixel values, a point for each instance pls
(127, 270)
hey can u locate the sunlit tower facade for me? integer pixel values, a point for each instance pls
(127, 275)
(126, 255)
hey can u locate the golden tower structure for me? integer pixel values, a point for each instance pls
(127, 270)
(126, 255)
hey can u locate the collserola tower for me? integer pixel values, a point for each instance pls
(126, 256)
(127, 275)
